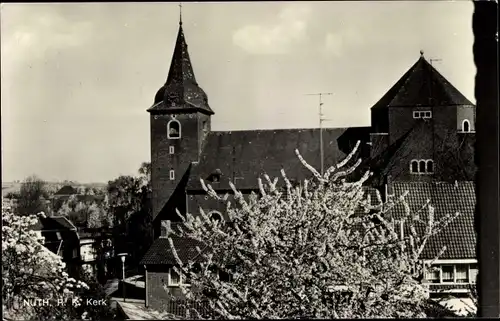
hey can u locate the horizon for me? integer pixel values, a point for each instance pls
(90, 78)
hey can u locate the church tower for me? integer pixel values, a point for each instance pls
(179, 121)
(428, 124)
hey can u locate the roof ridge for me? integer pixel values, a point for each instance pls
(280, 129)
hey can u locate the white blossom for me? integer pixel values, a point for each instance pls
(307, 252)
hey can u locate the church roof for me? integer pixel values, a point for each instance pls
(180, 91)
(244, 156)
(422, 85)
(459, 236)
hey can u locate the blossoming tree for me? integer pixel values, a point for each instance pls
(35, 285)
(316, 250)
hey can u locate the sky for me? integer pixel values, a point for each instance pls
(77, 78)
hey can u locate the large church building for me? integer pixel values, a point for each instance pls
(421, 139)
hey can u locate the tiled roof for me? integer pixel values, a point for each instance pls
(368, 192)
(66, 190)
(418, 85)
(64, 222)
(246, 155)
(181, 90)
(160, 252)
(55, 230)
(53, 223)
(459, 236)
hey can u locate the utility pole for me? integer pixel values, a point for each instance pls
(321, 119)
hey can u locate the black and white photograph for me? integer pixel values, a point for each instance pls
(247, 160)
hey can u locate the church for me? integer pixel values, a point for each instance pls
(421, 139)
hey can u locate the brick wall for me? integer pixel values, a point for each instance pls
(439, 142)
(466, 112)
(186, 150)
(157, 296)
(207, 203)
(163, 298)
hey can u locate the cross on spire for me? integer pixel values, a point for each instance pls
(180, 13)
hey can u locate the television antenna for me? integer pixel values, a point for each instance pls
(321, 120)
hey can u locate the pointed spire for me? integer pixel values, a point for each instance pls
(181, 89)
(180, 13)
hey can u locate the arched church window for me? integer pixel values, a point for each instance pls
(430, 166)
(421, 166)
(215, 215)
(414, 166)
(174, 129)
(466, 126)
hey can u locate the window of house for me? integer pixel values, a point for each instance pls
(75, 253)
(416, 114)
(432, 275)
(171, 150)
(447, 273)
(174, 279)
(430, 166)
(466, 126)
(462, 273)
(172, 174)
(174, 129)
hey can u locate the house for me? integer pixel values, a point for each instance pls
(422, 131)
(61, 238)
(456, 268)
(66, 191)
(95, 250)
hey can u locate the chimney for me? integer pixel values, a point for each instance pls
(165, 228)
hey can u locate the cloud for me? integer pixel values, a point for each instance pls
(35, 34)
(337, 43)
(278, 38)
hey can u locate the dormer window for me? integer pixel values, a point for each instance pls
(466, 126)
(422, 166)
(174, 129)
(172, 175)
(171, 150)
(422, 114)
